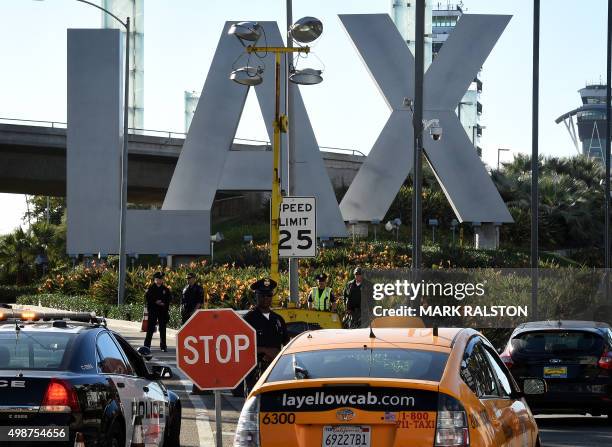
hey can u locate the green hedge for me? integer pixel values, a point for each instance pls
(129, 312)
(9, 294)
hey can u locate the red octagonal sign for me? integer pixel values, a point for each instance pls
(216, 349)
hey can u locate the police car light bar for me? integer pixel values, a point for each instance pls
(30, 315)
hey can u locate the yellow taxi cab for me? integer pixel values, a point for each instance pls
(384, 387)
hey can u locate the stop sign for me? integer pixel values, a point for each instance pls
(216, 349)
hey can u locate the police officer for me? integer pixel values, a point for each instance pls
(321, 297)
(270, 327)
(158, 305)
(193, 297)
(353, 293)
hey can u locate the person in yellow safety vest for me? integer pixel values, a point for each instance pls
(321, 297)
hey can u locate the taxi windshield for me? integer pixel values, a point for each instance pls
(393, 363)
(33, 351)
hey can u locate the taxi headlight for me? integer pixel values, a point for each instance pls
(247, 428)
(451, 425)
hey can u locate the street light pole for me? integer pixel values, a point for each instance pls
(305, 30)
(291, 171)
(417, 123)
(279, 125)
(500, 149)
(607, 157)
(535, 159)
(124, 169)
(276, 186)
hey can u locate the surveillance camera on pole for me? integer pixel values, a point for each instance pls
(435, 132)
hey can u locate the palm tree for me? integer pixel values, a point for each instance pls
(17, 255)
(571, 201)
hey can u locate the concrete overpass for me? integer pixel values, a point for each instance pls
(33, 161)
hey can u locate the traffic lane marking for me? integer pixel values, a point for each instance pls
(202, 419)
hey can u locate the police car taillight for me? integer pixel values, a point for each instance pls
(451, 425)
(247, 429)
(60, 397)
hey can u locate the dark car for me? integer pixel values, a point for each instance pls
(78, 383)
(575, 359)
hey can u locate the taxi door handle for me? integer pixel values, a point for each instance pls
(145, 389)
(120, 385)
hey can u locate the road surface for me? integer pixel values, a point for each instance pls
(198, 425)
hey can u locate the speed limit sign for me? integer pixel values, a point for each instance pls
(298, 228)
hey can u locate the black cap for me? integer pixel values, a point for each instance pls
(158, 275)
(321, 277)
(357, 271)
(191, 275)
(264, 286)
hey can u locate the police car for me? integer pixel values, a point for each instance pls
(67, 379)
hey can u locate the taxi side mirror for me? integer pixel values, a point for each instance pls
(534, 386)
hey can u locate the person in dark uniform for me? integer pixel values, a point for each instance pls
(193, 297)
(270, 327)
(158, 298)
(353, 293)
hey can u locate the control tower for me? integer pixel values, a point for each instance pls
(587, 123)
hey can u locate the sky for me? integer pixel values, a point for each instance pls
(346, 110)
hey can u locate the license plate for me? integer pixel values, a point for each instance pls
(346, 436)
(555, 372)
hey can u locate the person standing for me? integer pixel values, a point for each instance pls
(321, 297)
(270, 327)
(193, 297)
(353, 293)
(157, 298)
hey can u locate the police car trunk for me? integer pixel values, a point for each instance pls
(34, 391)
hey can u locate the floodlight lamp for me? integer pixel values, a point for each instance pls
(397, 222)
(218, 237)
(306, 76)
(249, 76)
(249, 31)
(389, 226)
(306, 30)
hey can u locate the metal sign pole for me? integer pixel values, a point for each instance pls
(535, 201)
(218, 420)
